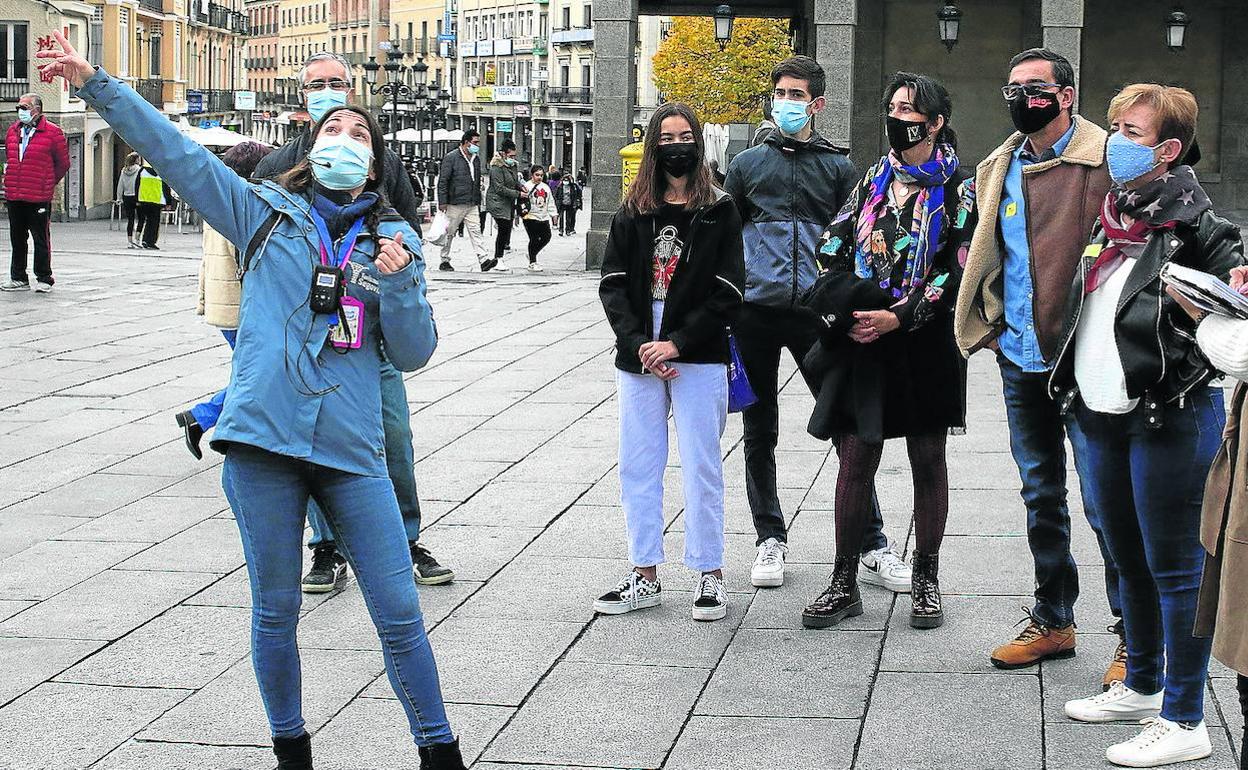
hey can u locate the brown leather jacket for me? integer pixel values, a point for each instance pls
(1064, 197)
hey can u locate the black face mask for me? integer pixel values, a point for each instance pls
(904, 134)
(1032, 113)
(678, 159)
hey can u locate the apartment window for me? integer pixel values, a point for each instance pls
(154, 55)
(588, 15)
(95, 39)
(565, 73)
(14, 61)
(587, 78)
(177, 47)
(567, 18)
(542, 25)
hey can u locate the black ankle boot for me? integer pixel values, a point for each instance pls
(841, 599)
(925, 606)
(192, 432)
(293, 753)
(441, 756)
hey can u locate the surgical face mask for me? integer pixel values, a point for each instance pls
(323, 100)
(1128, 160)
(790, 116)
(25, 115)
(339, 162)
(511, 162)
(473, 149)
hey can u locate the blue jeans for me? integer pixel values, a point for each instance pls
(1148, 486)
(269, 494)
(208, 412)
(396, 420)
(1037, 441)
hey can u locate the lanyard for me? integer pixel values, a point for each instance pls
(348, 241)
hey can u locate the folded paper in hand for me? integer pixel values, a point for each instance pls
(1205, 291)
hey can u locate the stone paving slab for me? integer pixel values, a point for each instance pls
(124, 604)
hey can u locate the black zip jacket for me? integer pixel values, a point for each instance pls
(704, 295)
(1155, 337)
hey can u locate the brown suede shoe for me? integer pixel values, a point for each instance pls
(1037, 642)
(1117, 671)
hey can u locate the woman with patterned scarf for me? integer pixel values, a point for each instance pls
(888, 364)
(1130, 367)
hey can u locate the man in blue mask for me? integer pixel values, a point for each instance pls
(788, 187)
(326, 82)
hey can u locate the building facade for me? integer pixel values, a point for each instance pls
(357, 28)
(260, 65)
(216, 54)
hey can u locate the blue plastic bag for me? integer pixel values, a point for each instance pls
(740, 395)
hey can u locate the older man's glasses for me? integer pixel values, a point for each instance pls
(1012, 91)
(336, 84)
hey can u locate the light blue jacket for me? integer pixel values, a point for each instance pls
(290, 392)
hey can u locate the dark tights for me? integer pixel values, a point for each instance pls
(1243, 707)
(856, 480)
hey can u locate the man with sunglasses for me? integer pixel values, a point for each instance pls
(1039, 194)
(37, 157)
(325, 82)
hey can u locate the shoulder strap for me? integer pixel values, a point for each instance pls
(262, 234)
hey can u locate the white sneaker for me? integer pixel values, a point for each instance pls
(14, 286)
(634, 592)
(1161, 743)
(768, 570)
(1117, 704)
(42, 288)
(885, 568)
(501, 268)
(710, 602)
(534, 267)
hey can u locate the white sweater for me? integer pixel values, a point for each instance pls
(1098, 366)
(1225, 342)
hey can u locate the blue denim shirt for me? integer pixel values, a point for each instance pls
(290, 392)
(1018, 342)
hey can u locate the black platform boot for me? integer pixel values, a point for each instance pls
(441, 756)
(841, 599)
(293, 753)
(925, 606)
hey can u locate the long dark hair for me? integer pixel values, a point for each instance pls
(929, 97)
(645, 195)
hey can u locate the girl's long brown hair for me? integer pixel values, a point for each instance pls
(645, 195)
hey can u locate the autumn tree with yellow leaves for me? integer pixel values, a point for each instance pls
(722, 86)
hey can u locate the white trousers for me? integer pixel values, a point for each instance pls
(469, 215)
(698, 400)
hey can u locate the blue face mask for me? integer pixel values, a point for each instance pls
(1128, 160)
(324, 100)
(790, 116)
(473, 149)
(339, 162)
(25, 116)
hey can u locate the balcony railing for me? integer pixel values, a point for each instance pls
(157, 6)
(12, 89)
(151, 89)
(581, 35)
(539, 45)
(569, 96)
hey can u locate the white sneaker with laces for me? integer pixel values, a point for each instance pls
(14, 286)
(710, 602)
(42, 288)
(501, 268)
(768, 570)
(1162, 743)
(885, 568)
(1117, 704)
(535, 267)
(634, 592)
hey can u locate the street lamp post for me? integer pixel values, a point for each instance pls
(429, 102)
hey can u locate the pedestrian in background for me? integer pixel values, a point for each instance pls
(128, 194)
(154, 195)
(459, 197)
(36, 159)
(1129, 367)
(672, 280)
(886, 356)
(219, 293)
(541, 215)
(503, 195)
(571, 200)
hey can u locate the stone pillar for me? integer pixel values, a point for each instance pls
(556, 145)
(830, 40)
(578, 144)
(1062, 23)
(615, 89)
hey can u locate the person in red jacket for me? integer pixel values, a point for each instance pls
(36, 160)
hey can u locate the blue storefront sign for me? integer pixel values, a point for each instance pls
(194, 102)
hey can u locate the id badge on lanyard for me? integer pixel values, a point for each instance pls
(346, 329)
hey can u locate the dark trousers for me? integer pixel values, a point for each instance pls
(502, 238)
(567, 221)
(1243, 709)
(149, 215)
(130, 208)
(1038, 433)
(761, 334)
(539, 236)
(30, 220)
(1148, 485)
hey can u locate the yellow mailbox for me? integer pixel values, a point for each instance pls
(630, 156)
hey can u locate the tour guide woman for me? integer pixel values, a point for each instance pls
(304, 414)
(887, 356)
(1129, 366)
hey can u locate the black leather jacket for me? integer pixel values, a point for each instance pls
(1156, 339)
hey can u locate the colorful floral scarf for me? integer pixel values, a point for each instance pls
(928, 227)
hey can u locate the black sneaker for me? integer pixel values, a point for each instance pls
(426, 568)
(327, 569)
(192, 432)
(446, 267)
(634, 592)
(488, 265)
(710, 600)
